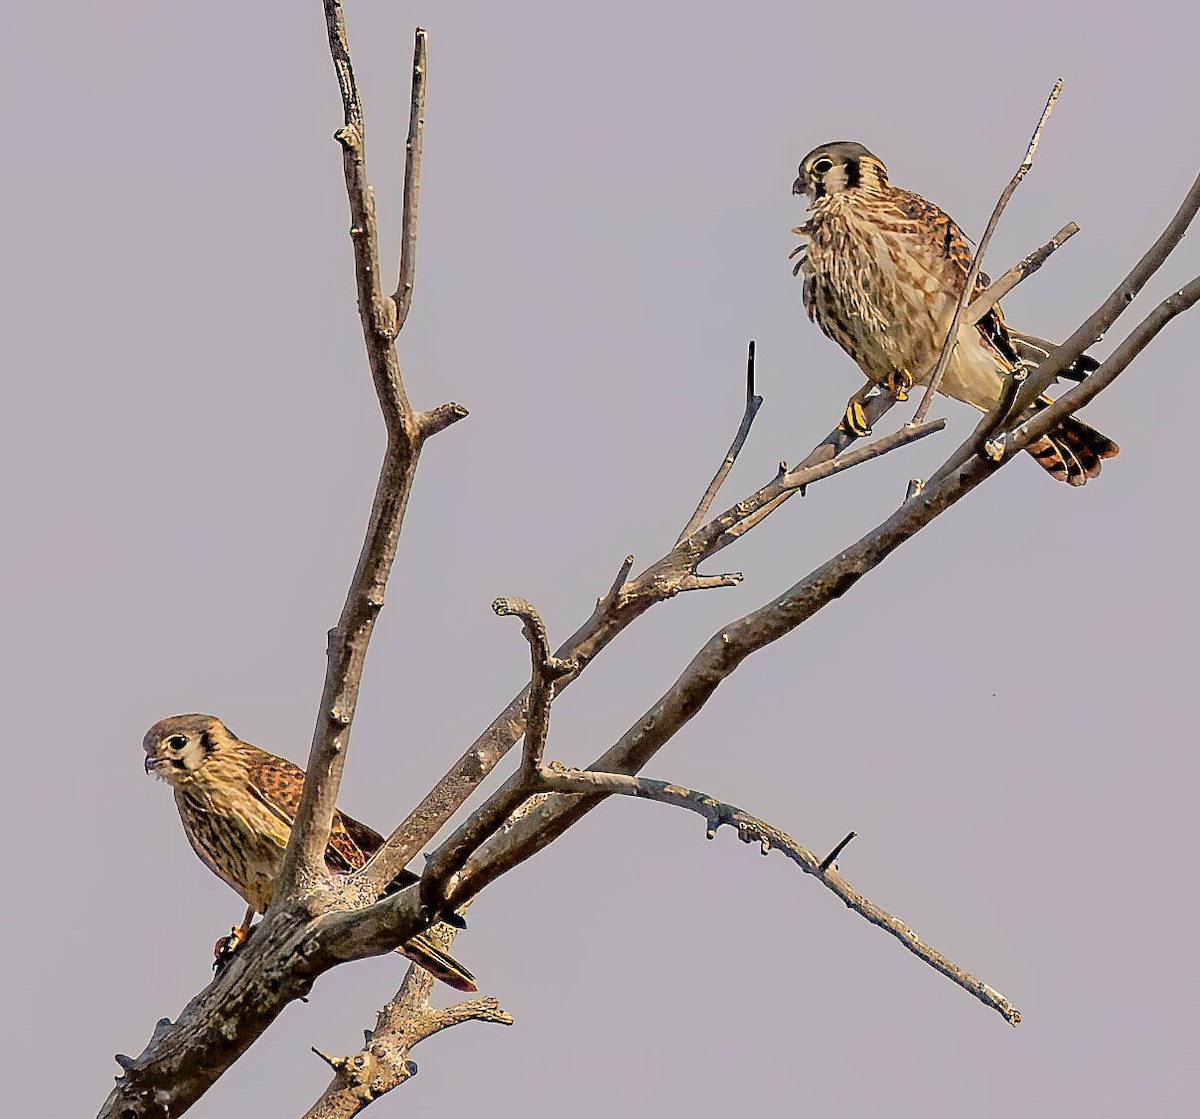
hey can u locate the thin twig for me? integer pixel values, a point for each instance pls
(1022, 270)
(968, 290)
(412, 182)
(545, 670)
(750, 829)
(829, 859)
(753, 403)
(748, 513)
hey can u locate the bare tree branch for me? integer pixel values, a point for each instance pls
(728, 648)
(1091, 330)
(673, 573)
(1137, 340)
(545, 671)
(1022, 270)
(315, 921)
(750, 829)
(412, 182)
(382, 1064)
(753, 403)
(304, 861)
(951, 342)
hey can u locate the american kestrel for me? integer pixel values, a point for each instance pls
(883, 270)
(237, 804)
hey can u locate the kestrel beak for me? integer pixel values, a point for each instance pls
(150, 763)
(799, 187)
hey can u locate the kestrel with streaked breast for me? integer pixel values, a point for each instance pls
(237, 804)
(883, 271)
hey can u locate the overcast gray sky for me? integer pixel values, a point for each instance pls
(1004, 711)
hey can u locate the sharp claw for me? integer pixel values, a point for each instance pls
(226, 947)
(899, 382)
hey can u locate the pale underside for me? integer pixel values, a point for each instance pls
(251, 835)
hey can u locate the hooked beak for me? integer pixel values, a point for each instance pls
(150, 763)
(799, 186)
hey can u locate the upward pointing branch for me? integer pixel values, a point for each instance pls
(412, 182)
(977, 260)
(304, 861)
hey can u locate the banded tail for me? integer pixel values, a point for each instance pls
(441, 965)
(1073, 451)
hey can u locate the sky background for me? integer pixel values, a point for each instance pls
(1005, 711)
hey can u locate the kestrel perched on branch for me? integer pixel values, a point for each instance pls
(237, 804)
(883, 271)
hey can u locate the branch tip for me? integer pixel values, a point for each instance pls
(828, 860)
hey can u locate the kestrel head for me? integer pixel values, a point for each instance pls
(178, 746)
(837, 167)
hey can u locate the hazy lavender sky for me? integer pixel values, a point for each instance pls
(1005, 711)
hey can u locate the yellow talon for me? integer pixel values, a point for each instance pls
(899, 381)
(855, 420)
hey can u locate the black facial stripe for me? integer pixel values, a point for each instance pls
(853, 174)
(179, 763)
(207, 742)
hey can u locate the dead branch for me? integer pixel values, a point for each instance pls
(412, 182)
(625, 603)
(314, 923)
(1022, 270)
(383, 1062)
(753, 404)
(304, 862)
(281, 962)
(726, 650)
(1093, 328)
(545, 670)
(750, 829)
(951, 343)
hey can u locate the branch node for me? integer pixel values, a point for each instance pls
(708, 582)
(439, 418)
(618, 585)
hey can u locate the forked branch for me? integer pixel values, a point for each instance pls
(383, 1062)
(625, 602)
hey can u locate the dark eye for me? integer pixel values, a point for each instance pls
(176, 742)
(822, 165)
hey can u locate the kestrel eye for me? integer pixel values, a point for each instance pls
(822, 165)
(176, 742)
